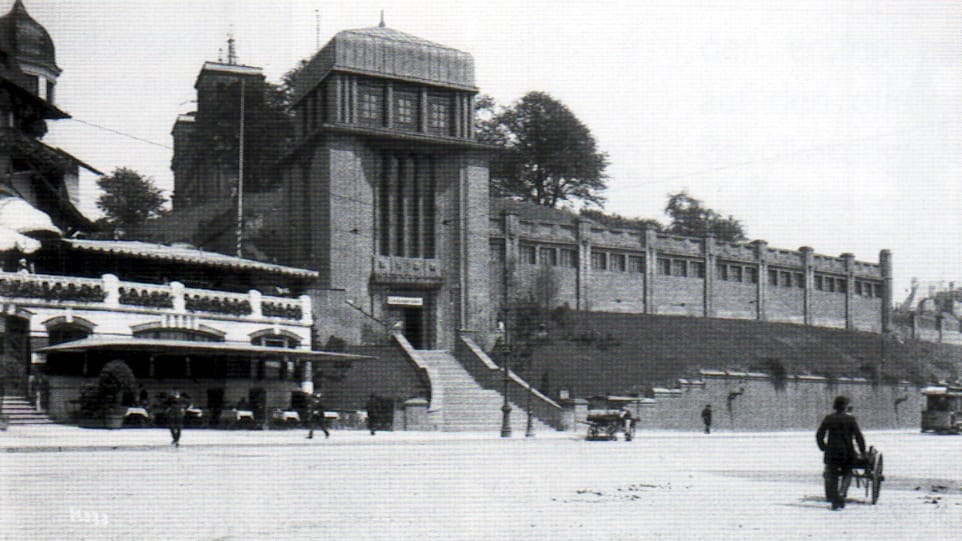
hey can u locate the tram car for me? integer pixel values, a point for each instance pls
(943, 409)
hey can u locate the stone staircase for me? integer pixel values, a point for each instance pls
(464, 404)
(19, 411)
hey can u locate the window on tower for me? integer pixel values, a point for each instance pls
(405, 108)
(371, 104)
(439, 115)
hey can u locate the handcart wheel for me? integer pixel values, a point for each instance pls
(877, 478)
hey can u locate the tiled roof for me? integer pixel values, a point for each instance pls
(184, 254)
(383, 32)
(385, 52)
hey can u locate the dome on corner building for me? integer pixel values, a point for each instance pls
(27, 39)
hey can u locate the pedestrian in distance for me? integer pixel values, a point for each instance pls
(315, 416)
(628, 423)
(837, 436)
(176, 410)
(370, 406)
(706, 418)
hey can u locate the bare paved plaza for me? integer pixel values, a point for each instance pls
(663, 485)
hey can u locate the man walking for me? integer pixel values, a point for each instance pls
(315, 416)
(706, 418)
(835, 437)
(176, 410)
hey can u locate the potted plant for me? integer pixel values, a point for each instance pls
(100, 403)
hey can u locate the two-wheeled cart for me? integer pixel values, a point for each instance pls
(867, 472)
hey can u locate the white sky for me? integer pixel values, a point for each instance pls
(832, 124)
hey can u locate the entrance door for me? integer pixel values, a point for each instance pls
(411, 314)
(414, 331)
(14, 355)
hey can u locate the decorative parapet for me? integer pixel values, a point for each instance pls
(144, 295)
(672, 244)
(217, 302)
(410, 270)
(52, 288)
(735, 251)
(287, 310)
(110, 293)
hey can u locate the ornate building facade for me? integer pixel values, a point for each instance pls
(223, 328)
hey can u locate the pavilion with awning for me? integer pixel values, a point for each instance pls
(217, 375)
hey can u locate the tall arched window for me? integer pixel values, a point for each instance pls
(191, 335)
(61, 329)
(405, 205)
(275, 339)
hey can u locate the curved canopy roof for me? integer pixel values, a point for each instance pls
(184, 254)
(12, 240)
(189, 347)
(22, 217)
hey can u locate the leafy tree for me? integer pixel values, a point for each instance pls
(282, 94)
(268, 132)
(547, 155)
(690, 218)
(129, 199)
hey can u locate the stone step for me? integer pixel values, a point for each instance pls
(466, 405)
(19, 411)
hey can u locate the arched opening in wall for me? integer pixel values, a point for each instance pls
(275, 339)
(62, 329)
(191, 335)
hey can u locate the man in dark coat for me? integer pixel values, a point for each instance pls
(315, 416)
(176, 409)
(835, 437)
(706, 418)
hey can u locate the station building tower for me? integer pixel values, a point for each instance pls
(387, 188)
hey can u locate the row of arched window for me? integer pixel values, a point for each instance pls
(60, 332)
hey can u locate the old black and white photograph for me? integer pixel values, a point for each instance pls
(480, 270)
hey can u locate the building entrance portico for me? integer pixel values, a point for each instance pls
(413, 315)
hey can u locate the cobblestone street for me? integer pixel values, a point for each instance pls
(277, 485)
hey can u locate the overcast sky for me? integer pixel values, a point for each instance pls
(834, 124)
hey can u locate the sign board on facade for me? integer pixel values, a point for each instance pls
(393, 300)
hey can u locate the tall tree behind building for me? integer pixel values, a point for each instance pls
(547, 154)
(268, 131)
(690, 218)
(129, 199)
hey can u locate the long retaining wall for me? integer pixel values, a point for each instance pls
(747, 402)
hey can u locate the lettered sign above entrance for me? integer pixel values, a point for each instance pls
(405, 301)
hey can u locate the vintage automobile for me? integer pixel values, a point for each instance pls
(943, 409)
(604, 425)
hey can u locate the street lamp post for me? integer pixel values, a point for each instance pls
(506, 405)
(529, 428)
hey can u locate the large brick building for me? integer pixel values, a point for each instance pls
(385, 195)
(387, 189)
(560, 259)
